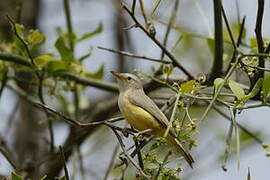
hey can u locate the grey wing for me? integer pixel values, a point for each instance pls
(140, 99)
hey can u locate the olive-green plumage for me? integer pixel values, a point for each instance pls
(142, 113)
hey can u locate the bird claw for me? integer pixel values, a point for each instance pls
(139, 136)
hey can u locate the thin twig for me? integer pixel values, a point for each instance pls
(122, 145)
(69, 23)
(21, 40)
(168, 30)
(81, 165)
(133, 6)
(115, 151)
(62, 153)
(143, 12)
(173, 115)
(163, 162)
(166, 51)
(87, 81)
(139, 155)
(134, 55)
(237, 44)
(228, 28)
(260, 42)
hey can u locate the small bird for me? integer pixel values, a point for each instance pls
(142, 113)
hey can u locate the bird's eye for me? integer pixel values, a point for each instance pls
(129, 78)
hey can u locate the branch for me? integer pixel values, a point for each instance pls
(237, 44)
(135, 56)
(21, 40)
(80, 80)
(258, 31)
(218, 59)
(90, 82)
(69, 24)
(159, 44)
(122, 145)
(228, 28)
(62, 153)
(15, 59)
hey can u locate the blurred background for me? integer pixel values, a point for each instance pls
(195, 23)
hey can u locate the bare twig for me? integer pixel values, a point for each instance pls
(62, 153)
(143, 12)
(139, 155)
(237, 44)
(135, 56)
(255, 67)
(159, 44)
(122, 145)
(133, 6)
(87, 81)
(69, 23)
(228, 28)
(21, 40)
(168, 30)
(260, 42)
(218, 58)
(116, 149)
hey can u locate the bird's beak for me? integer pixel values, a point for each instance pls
(117, 75)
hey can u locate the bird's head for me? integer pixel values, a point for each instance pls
(127, 81)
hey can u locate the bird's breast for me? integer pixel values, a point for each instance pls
(136, 116)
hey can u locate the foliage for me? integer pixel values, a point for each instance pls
(59, 74)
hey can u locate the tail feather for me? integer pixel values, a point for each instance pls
(181, 149)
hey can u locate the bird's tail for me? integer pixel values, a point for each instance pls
(181, 149)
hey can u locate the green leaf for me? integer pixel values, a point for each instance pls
(15, 176)
(188, 86)
(20, 30)
(98, 30)
(253, 42)
(63, 49)
(235, 29)
(43, 60)
(266, 87)
(236, 89)
(98, 74)
(167, 69)
(82, 58)
(254, 92)
(218, 83)
(57, 66)
(35, 37)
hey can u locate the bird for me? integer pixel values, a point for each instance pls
(142, 113)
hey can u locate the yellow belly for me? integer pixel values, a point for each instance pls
(141, 119)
